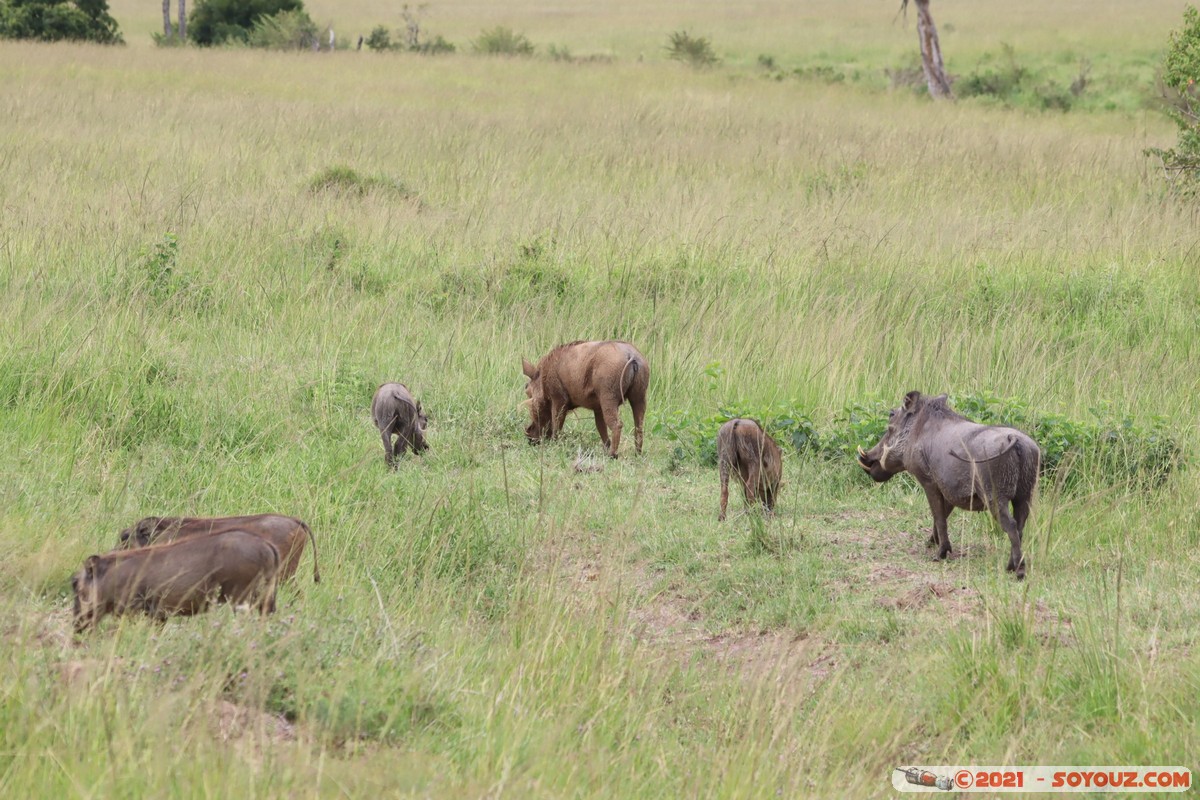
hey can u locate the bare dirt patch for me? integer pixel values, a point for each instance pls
(231, 722)
(674, 627)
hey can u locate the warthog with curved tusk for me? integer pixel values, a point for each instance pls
(959, 464)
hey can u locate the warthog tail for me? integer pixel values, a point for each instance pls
(313, 539)
(1008, 445)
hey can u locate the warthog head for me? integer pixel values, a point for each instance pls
(139, 534)
(419, 425)
(887, 457)
(539, 404)
(83, 586)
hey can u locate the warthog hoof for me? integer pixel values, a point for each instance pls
(1019, 568)
(944, 552)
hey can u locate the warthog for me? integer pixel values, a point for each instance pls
(288, 534)
(959, 464)
(181, 578)
(595, 375)
(743, 445)
(397, 414)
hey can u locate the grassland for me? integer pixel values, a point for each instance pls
(188, 327)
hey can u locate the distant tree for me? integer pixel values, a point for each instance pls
(931, 51)
(52, 20)
(1180, 77)
(167, 19)
(217, 21)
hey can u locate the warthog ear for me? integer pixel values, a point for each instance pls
(911, 399)
(529, 369)
(93, 568)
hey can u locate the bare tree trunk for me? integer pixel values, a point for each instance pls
(931, 52)
(167, 19)
(183, 21)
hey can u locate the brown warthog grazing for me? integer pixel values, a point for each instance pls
(593, 375)
(743, 445)
(397, 414)
(181, 578)
(288, 534)
(959, 464)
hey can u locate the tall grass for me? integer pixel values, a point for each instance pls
(187, 327)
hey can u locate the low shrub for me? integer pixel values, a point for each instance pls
(1108, 450)
(501, 41)
(287, 30)
(344, 180)
(695, 51)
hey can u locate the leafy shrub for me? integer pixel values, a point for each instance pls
(1013, 84)
(696, 51)
(821, 72)
(213, 22)
(380, 39)
(559, 53)
(1181, 70)
(1108, 451)
(501, 41)
(344, 180)
(435, 46)
(287, 30)
(54, 20)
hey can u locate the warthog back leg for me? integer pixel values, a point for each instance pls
(751, 475)
(389, 455)
(601, 428)
(1016, 561)
(1021, 514)
(638, 406)
(941, 512)
(612, 417)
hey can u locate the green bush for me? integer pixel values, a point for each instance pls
(213, 22)
(380, 39)
(501, 41)
(1107, 450)
(287, 30)
(54, 20)
(695, 51)
(1181, 71)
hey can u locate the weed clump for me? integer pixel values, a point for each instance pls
(1107, 450)
(695, 51)
(346, 181)
(502, 41)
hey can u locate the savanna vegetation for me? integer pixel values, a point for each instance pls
(210, 258)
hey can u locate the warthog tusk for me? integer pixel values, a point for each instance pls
(861, 453)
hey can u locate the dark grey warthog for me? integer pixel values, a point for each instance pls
(397, 414)
(745, 448)
(959, 464)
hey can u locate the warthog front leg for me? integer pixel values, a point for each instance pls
(558, 418)
(601, 428)
(940, 509)
(612, 418)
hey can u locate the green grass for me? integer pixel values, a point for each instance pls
(186, 327)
